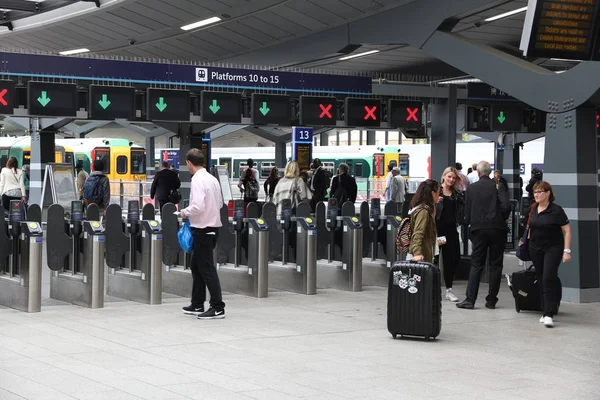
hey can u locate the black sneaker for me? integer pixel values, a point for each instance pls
(191, 310)
(465, 304)
(491, 306)
(212, 313)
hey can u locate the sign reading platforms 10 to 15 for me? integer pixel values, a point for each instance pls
(46, 99)
(271, 109)
(112, 102)
(168, 105)
(221, 107)
(318, 111)
(363, 112)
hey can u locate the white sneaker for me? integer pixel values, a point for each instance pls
(542, 319)
(548, 322)
(451, 296)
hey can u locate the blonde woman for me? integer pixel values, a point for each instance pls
(291, 187)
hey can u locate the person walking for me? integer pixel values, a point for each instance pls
(25, 178)
(248, 185)
(271, 183)
(463, 179)
(319, 183)
(398, 190)
(291, 187)
(343, 186)
(204, 214)
(449, 215)
(97, 187)
(422, 220)
(549, 245)
(11, 184)
(486, 212)
(473, 176)
(165, 182)
(82, 176)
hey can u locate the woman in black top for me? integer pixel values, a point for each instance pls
(549, 244)
(449, 211)
(271, 182)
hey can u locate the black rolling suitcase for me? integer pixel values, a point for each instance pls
(526, 290)
(414, 300)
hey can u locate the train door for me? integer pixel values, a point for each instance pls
(358, 169)
(102, 153)
(391, 159)
(405, 165)
(138, 163)
(120, 161)
(379, 165)
(226, 162)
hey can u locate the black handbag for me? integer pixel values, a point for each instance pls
(523, 248)
(175, 196)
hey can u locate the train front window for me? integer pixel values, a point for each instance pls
(104, 156)
(121, 165)
(138, 162)
(69, 158)
(358, 171)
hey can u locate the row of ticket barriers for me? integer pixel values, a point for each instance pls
(131, 255)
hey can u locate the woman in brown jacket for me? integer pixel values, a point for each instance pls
(422, 219)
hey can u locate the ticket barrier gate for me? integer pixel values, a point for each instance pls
(177, 275)
(384, 228)
(134, 255)
(329, 231)
(301, 276)
(20, 261)
(251, 279)
(75, 254)
(348, 275)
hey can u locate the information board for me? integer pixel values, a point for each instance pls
(302, 144)
(271, 109)
(7, 90)
(221, 107)
(112, 102)
(318, 111)
(561, 29)
(363, 112)
(168, 105)
(405, 114)
(46, 99)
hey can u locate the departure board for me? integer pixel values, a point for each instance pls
(303, 156)
(562, 29)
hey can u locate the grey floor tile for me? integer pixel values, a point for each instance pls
(6, 395)
(268, 394)
(205, 391)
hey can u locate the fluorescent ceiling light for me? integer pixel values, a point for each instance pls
(366, 53)
(459, 81)
(565, 59)
(506, 14)
(76, 51)
(198, 24)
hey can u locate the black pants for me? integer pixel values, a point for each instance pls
(450, 252)
(203, 269)
(546, 265)
(6, 202)
(161, 204)
(484, 240)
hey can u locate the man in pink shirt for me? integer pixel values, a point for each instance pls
(204, 213)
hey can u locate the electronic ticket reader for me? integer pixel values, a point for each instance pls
(20, 260)
(134, 255)
(75, 254)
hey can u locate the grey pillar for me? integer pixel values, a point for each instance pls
(325, 139)
(387, 138)
(337, 138)
(37, 169)
(371, 140)
(360, 137)
(185, 136)
(443, 133)
(349, 137)
(511, 168)
(150, 160)
(280, 156)
(570, 167)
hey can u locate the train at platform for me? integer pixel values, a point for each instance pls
(20, 148)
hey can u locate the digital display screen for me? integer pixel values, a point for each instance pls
(318, 111)
(405, 114)
(51, 99)
(168, 105)
(7, 89)
(363, 112)
(112, 102)
(271, 109)
(506, 118)
(564, 29)
(303, 155)
(221, 107)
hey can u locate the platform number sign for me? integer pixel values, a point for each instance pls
(304, 135)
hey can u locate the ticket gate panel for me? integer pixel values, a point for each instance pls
(148, 212)
(34, 213)
(116, 240)
(5, 244)
(92, 212)
(177, 276)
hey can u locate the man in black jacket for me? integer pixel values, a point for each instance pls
(165, 182)
(319, 183)
(343, 186)
(486, 212)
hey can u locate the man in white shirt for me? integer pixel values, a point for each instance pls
(388, 182)
(473, 176)
(204, 213)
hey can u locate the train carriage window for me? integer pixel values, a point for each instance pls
(266, 168)
(138, 162)
(104, 155)
(358, 170)
(121, 165)
(243, 166)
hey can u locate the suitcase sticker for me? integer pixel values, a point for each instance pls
(405, 283)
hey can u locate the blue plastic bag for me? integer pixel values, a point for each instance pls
(185, 238)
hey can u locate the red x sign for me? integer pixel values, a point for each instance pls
(325, 110)
(2, 94)
(412, 114)
(370, 113)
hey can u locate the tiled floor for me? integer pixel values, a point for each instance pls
(330, 346)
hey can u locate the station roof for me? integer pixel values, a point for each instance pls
(249, 32)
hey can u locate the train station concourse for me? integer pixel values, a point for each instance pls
(299, 199)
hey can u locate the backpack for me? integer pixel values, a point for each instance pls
(251, 189)
(93, 190)
(404, 235)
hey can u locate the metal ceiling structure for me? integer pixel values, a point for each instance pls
(251, 32)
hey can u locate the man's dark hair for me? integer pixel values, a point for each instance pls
(250, 163)
(316, 163)
(458, 166)
(390, 168)
(79, 165)
(165, 164)
(98, 165)
(195, 157)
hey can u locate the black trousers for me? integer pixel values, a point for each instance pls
(203, 269)
(484, 240)
(161, 204)
(450, 252)
(546, 265)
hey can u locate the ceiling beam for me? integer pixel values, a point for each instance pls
(26, 10)
(20, 5)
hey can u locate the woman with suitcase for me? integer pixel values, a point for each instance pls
(549, 245)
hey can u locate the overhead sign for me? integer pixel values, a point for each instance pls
(561, 29)
(506, 118)
(318, 111)
(168, 105)
(7, 90)
(405, 114)
(363, 112)
(46, 99)
(480, 90)
(271, 109)
(112, 102)
(302, 143)
(221, 107)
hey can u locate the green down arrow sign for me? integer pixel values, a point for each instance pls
(501, 117)
(104, 103)
(215, 107)
(264, 110)
(44, 99)
(161, 105)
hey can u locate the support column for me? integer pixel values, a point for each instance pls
(325, 139)
(150, 160)
(443, 133)
(511, 167)
(349, 137)
(36, 174)
(371, 140)
(280, 155)
(360, 137)
(337, 138)
(570, 167)
(185, 134)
